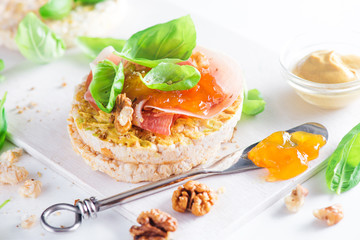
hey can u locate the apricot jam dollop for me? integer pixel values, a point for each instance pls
(286, 155)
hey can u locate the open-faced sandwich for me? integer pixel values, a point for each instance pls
(160, 106)
(66, 18)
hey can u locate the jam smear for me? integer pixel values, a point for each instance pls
(286, 155)
(199, 99)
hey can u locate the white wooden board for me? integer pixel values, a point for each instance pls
(41, 130)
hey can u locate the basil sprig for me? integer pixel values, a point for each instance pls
(56, 9)
(3, 123)
(158, 47)
(107, 83)
(92, 46)
(169, 42)
(170, 77)
(253, 103)
(36, 41)
(343, 170)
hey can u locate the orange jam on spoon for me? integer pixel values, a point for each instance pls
(286, 155)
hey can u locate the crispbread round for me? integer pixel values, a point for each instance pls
(95, 21)
(132, 172)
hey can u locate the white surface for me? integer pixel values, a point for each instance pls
(261, 23)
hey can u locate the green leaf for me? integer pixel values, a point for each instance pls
(56, 9)
(36, 41)
(3, 123)
(343, 170)
(169, 42)
(171, 77)
(107, 83)
(253, 103)
(4, 203)
(2, 65)
(93, 46)
(89, 1)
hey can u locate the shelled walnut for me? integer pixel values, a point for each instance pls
(123, 114)
(195, 197)
(331, 215)
(155, 225)
(295, 201)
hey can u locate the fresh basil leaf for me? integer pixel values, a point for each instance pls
(107, 83)
(253, 103)
(3, 123)
(2, 65)
(171, 77)
(36, 41)
(89, 1)
(169, 42)
(93, 46)
(343, 170)
(56, 9)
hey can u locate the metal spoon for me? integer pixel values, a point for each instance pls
(235, 162)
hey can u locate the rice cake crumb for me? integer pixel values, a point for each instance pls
(11, 156)
(31, 188)
(27, 221)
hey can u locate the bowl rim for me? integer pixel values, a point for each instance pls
(338, 87)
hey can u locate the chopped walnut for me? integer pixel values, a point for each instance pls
(155, 225)
(31, 188)
(123, 113)
(332, 214)
(200, 60)
(28, 222)
(12, 174)
(11, 156)
(296, 200)
(195, 197)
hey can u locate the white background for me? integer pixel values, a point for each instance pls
(271, 24)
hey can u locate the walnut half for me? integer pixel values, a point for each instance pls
(332, 214)
(155, 225)
(195, 197)
(295, 201)
(123, 114)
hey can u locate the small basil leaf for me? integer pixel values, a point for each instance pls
(343, 170)
(253, 103)
(93, 46)
(2, 65)
(169, 42)
(36, 41)
(56, 9)
(3, 123)
(107, 83)
(171, 77)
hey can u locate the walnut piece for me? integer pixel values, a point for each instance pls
(155, 225)
(27, 221)
(200, 60)
(31, 188)
(123, 114)
(296, 200)
(12, 174)
(195, 197)
(332, 214)
(11, 156)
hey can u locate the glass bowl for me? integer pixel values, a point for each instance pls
(324, 95)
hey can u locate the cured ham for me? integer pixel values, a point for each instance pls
(220, 85)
